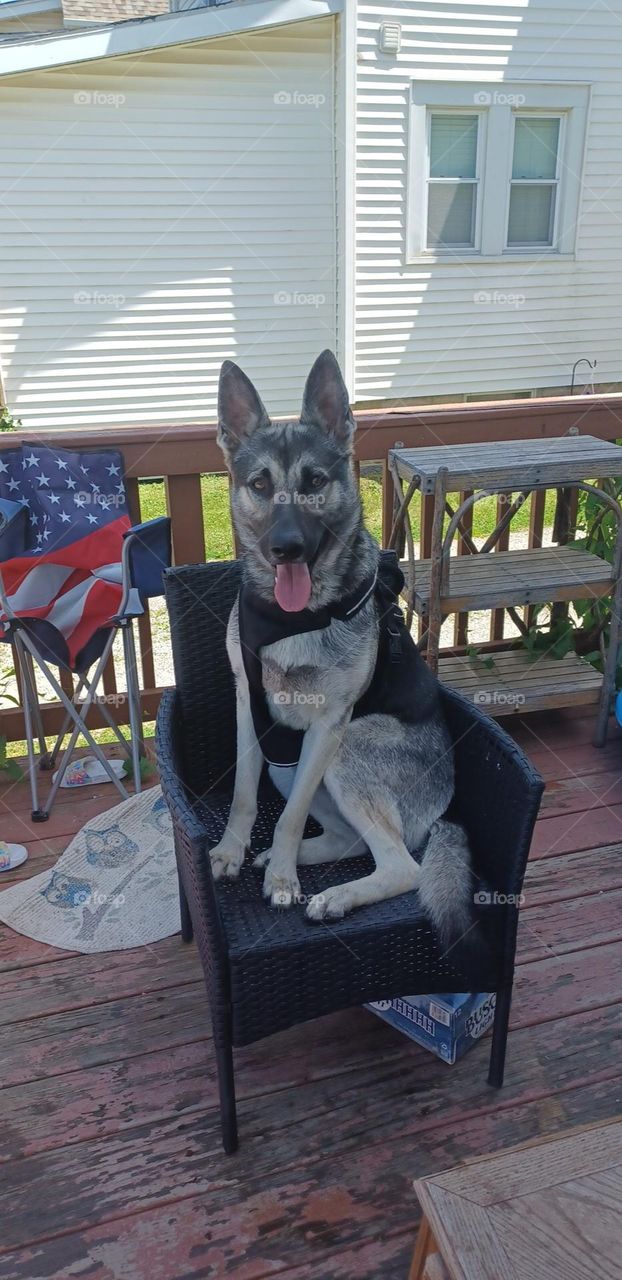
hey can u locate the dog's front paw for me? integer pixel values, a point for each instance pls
(330, 905)
(262, 858)
(226, 859)
(281, 885)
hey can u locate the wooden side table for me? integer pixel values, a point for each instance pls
(445, 584)
(546, 1210)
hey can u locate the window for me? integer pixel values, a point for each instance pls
(534, 180)
(494, 171)
(452, 181)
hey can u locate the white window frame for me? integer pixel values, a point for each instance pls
(478, 181)
(555, 182)
(498, 105)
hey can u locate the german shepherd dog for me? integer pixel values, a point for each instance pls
(376, 782)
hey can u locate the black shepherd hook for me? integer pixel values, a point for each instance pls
(582, 360)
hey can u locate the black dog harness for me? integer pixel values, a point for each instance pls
(401, 685)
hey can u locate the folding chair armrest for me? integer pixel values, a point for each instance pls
(146, 554)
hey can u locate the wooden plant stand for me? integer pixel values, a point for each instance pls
(444, 584)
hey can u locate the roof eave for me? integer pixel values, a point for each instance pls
(182, 27)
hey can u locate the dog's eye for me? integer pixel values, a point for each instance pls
(259, 484)
(318, 480)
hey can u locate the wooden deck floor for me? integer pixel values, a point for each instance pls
(113, 1166)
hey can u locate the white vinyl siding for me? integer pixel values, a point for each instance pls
(519, 319)
(160, 213)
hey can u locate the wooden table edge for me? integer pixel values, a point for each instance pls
(432, 1234)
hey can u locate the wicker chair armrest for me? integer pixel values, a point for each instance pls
(191, 843)
(498, 794)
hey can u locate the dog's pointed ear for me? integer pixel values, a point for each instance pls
(240, 410)
(325, 401)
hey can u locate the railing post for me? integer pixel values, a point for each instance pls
(185, 507)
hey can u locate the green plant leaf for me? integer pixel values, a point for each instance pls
(479, 660)
(7, 421)
(147, 770)
(12, 771)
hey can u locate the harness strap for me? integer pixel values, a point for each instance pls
(263, 623)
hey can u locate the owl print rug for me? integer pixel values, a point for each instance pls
(114, 887)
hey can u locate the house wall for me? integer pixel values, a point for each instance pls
(159, 214)
(419, 330)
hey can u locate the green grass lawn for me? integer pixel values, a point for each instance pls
(218, 540)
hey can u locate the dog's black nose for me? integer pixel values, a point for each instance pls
(287, 547)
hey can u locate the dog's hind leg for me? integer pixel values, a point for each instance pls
(338, 838)
(373, 812)
(330, 848)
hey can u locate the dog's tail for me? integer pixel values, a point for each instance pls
(446, 890)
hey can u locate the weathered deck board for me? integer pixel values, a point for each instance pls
(143, 1088)
(308, 1209)
(569, 925)
(579, 795)
(63, 821)
(572, 831)
(78, 981)
(112, 1160)
(572, 875)
(569, 761)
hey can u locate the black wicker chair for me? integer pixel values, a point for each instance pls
(264, 970)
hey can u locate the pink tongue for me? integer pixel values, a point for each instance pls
(292, 587)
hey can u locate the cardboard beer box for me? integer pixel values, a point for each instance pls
(448, 1025)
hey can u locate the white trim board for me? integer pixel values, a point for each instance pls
(68, 48)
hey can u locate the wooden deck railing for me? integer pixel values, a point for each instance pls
(181, 454)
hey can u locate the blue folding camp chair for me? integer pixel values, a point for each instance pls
(61, 611)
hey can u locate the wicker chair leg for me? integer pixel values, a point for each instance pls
(226, 1086)
(187, 932)
(499, 1037)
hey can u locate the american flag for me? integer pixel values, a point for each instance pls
(77, 515)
